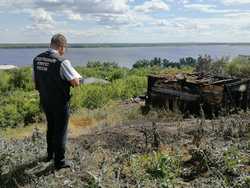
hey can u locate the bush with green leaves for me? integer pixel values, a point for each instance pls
(97, 95)
(19, 108)
(108, 71)
(239, 67)
(21, 79)
(9, 116)
(232, 159)
(92, 96)
(204, 64)
(165, 63)
(156, 166)
(4, 81)
(19, 102)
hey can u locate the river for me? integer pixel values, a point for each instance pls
(124, 56)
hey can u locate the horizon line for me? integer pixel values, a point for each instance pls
(116, 45)
(129, 43)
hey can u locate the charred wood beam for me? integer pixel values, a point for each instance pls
(238, 83)
(221, 82)
(180, 94)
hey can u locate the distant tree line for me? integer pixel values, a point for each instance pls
(203, 64)
(98, 64)
(165, 63)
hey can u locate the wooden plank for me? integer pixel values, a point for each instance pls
(238, 83)
(222, 82)
(180, 94)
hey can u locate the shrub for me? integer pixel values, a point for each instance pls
(4, 81)
(19, 108)
(188, 61)
(21, 79)
(94, 96)
(232, 159)
(9, 116)
(97, 95)
(218, 67)
(117, 74)
(95, 64)
(156, 166)
(239, 67)
(105, 71)
(203, 64)
(165, 63)
(127, 88)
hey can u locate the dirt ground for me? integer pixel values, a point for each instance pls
(210, 153)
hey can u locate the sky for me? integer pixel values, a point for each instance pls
(125, 21)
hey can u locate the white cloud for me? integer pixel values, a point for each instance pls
(229, 2)
(73, 15)
(208, 8)
(239, 15)
(152, 5)
(200, 7)
(15, 4)
(41, 16)
(233, 27)
(113, 20)
(161, 23)
(110, 13)
(42, 21)
(114, 13)
(4, 29)
(187, 25)
(85, 6)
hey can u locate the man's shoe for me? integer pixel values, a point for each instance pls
(61, 165)
(47, 158)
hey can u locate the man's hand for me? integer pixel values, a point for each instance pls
(74, 82)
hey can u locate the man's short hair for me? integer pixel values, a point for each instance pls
(58, 40)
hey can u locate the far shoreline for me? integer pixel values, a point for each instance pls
(119, 45)
(8, 67)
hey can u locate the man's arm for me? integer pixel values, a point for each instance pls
(69, 73)
(75, 82)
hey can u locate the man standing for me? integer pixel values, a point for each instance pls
(53, 76)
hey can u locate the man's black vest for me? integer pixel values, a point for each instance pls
(52, 88)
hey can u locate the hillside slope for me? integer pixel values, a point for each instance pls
(158, 152)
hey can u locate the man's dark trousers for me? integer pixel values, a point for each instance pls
(57, 116)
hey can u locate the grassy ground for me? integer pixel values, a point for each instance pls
(117, 146)
(83, 120)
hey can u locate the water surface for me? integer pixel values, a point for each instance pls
(124, 56)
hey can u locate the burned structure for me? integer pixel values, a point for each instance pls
(196, 93)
